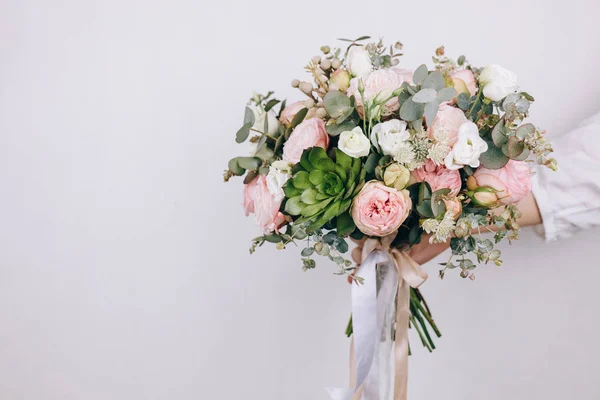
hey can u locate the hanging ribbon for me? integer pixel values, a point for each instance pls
(372, 313)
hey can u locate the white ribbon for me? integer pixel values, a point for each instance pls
(372, 320)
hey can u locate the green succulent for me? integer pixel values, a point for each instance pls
(322, 188)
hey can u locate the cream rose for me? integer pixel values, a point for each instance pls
(379, 210)
(389, 136)
(358, 61)
(354, 143)
(309, 133)
(497, 82)
(467, 149)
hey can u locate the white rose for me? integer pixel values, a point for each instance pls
(389, 136)
(467, 149)
(358, 61)
(497, 82)
(259, 119)
(354, 143)
(275, 181)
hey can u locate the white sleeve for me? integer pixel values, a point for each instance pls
(569, 199)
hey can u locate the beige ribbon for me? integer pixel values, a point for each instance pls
(410, 275)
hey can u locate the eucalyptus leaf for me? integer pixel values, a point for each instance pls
(336, 129)
(425, 210)
(307, 251)
(525, 130)
(345, 224)
(528, 96)
(411, 111)
(336, 103)
(250, 177)
(461, 60)
(425, 96)
(372, 162)
(243, 133)
(270, 104)
(249, 163)
(463, 101)
(235, 167)
(420, 74)
(447, 94)
(493, 158)
(299, 117)
(499, 134)
(249, 116)
(434, 80)
(430, 111)
(523, 156)
(513, 148)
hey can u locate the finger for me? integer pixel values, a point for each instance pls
(359, 242)
(357, 255)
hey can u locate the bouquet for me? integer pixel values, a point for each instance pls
(377, 151)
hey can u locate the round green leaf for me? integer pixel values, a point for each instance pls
(493, 158)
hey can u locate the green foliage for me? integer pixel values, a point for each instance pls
(493, 158)
(322, 188)
(338, 105)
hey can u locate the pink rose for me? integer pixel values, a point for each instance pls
(258, 200)
(379, 210)
(288, 114)
(453, 206)
(381, 82)
(513, 181)
(464, 79)
(309, 133)
(438, 177)
(446, 123)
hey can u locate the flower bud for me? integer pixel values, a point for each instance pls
(471, 183)
(361, 86)
(306, 87)
(396, 176)
(336, 63)
(309, 103)
(325, 49)
(321, 113)
(341, 79)
(484, 198)
(316, 59)
(295, 83)
(325, 64)
(280, 246)
(453, 206)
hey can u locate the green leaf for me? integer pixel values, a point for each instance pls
(316, 177)
(294, 206)
(430, 111)
(271, 104)
(309, 196)
(461, 60)
(250, 177)
(527, 96)
(345, 224)
(362, 38)
(435, 80)
(301, 180)
(424, 192)
(522, 156)
(248, 116)
(411, 111)
(249, 163)
(330, 238)
(420, 74)
(273, 238)
(499, 134)
(425, 210)
(371, 162)
(463, 101)
(312, 209)
(299, 117)
(336, 129)
(307, 251)
(343, 159)
(235, 167)
(243, 133)
(447, 94)
(425, 95)
(513, 148)
(414, 235)
(337, 104)
(525, 130)
(341, 245)
(438, 207)
(493, 158)
(290, 190)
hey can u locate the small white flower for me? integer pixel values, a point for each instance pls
(467, 149)
(444, 230)
(358, 61)
(430, 225)
(404, 153)
(283, 166)
(438, 152)
(275, 181)
(354, 143)
(389, 136)
(497, 82)
(260, 115)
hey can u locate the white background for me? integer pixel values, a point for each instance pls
(124, 265)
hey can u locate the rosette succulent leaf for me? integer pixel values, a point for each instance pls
(322, 188)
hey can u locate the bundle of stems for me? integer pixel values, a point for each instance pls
(420, 319)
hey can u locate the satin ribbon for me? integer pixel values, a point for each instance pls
(372, 317)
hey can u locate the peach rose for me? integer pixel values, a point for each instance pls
(265, 207)
(309, 133)
(381, 82)
(379, 210)
(513, 181)
(288, 113)
(438, 177)
(464, 81)
(453, 206)
(446, 123)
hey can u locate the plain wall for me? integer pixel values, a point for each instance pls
(124, 265)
